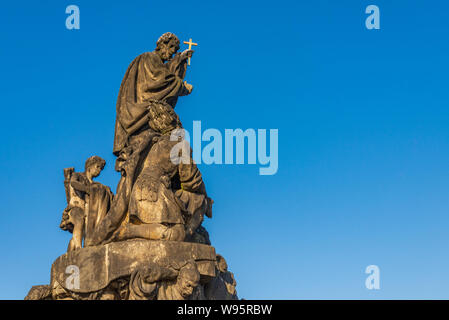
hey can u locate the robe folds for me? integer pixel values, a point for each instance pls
(97, 207)
(146, 79)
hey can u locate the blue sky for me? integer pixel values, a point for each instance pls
(363, 135)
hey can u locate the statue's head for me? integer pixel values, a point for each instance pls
(221, 263)
(94, 165)
(163, 119)
(167, 45)
(188, 279)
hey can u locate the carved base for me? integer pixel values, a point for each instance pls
(100, 265)
(120, 269)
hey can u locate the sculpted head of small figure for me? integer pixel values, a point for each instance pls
(221, 263)
(167, 45)
(93, 166)
(188, 279)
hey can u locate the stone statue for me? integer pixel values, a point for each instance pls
(147, 241)
(157, 211)
(151, 76)
(88, 202)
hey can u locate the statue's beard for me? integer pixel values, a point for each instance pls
(165, 54)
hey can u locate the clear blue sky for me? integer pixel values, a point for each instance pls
(363, 135)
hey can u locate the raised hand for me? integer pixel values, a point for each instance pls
(188, 87)
(187, 53)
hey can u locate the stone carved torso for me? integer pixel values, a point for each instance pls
(152, 199)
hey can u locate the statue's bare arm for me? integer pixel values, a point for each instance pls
(78, 186)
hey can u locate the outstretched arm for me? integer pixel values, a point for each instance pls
(78, 186)
(178, 65)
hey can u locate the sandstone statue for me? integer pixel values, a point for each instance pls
(169, 200)
(147, 241)
(88, 202)
(151, 76)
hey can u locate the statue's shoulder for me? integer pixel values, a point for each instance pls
(142, 57)
(147, 55)
(151, 57)
(147, 58)
(79, 176)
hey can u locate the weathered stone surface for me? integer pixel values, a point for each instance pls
(100, 265)
(42, 292)
(222, 286)
(146, 242)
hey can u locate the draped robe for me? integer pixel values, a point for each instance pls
(98, 204)
(146, 79)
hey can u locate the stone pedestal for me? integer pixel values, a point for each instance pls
(99, 266)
